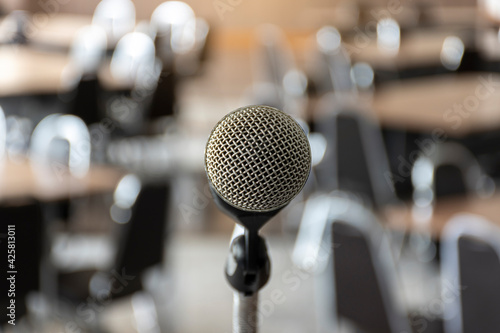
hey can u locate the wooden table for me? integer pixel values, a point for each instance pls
(59, 30)
(426, 104)
(402, 218)
(19, 180)
(417, 49)
(26, 71)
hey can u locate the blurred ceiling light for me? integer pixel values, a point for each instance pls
(89, 48)
(179, 19)
(134, 55)
(116, 17)
(362, 75)
(388, 36)
(452, 52)
(328, 39)
(295, 82)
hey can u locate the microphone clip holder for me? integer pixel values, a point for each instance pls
(248, 266)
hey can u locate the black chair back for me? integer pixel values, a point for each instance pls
(449, 181)
(480, 278)
(142, 243)
(359, 297)
(355, 159)
(29, 233)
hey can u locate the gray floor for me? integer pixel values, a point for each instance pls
(204, 300)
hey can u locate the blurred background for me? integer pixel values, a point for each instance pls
(105, 109)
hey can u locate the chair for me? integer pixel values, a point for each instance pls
(3, 135)
(355, 159)
(447, 169)
(27, 218)
(52, 128)
(444, 170)
(59, 146)
(175, 25)
(135, 65)
(116, 17)
(140, 231)
(87, 53)
(470, 269)
(344, 244)
(134, 60)
(280, 84)
(334, 64)
(13, 28)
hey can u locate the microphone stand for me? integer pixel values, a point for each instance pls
(247, 266)
(247, 271)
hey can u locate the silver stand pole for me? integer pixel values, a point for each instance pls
(245, 315)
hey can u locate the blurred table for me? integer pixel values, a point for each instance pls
(58, 31)
(27, 71)
(19, 180)
(458, 104)
(402, 218)
(417, 49)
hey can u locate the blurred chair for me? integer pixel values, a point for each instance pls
(470, 268)
(343, 243)
(48, 162)
(136, 247)
(332, 72)
(355, 159)
(30, 231)
(279, 83)
(135, 67)
(59, 147)
(13, 28)
(180, 36)
(3, 136)
(133, 59)
(116, 17)
(87, 54)
(448, 169)
(174, 23)
(180, 40)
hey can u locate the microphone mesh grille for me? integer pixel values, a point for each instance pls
(257, 158)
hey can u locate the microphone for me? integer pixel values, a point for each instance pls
(257, 159)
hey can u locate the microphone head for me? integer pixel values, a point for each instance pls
(257, 159)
